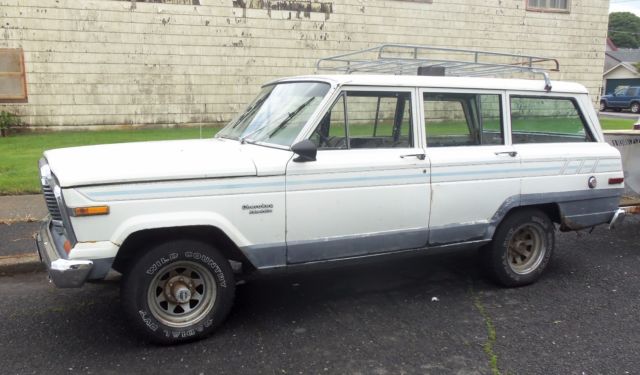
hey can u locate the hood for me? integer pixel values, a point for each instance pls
(149, 161)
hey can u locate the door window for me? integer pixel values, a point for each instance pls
(462, 119)
(368, 119)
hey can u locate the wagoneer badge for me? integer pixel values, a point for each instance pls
(263, 208)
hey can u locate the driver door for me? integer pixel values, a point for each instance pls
(368, 191)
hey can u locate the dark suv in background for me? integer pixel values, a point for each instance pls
(622, 98)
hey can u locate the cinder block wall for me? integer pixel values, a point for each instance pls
(106, 63)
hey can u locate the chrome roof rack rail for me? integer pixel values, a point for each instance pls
(426, 60)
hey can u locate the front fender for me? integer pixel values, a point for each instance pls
(177, 219)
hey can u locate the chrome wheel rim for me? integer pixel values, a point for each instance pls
(181, 294)
(526, 249)
(602, 106)
(635, 108)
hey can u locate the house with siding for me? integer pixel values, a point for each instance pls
(620, 68)
(104, 63)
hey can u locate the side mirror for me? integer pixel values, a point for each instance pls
(306, 151)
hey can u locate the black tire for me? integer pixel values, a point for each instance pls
(196, 283)
(603, 106)
(635, 107)
(521, 248)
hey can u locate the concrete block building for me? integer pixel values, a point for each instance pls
(103, 63)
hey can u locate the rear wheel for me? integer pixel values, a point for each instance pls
(635, 107)
(521, 248)
(603, 106)
(179, 291)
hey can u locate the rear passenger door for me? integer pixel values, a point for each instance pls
(474, 170)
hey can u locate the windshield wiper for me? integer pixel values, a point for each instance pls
(250, 111)
(290, 116)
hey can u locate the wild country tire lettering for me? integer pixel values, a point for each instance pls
(145, 318)
(161, 262)
(211, 263)
(189, 332)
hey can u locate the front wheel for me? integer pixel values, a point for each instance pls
(635, 107)
(180, 290)
(521, 248)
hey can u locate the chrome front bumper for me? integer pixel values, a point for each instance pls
(64, 273)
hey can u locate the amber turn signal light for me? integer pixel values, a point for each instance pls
(67, 247)
(91, 211)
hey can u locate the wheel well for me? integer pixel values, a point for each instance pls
(139, 242)
(550, 209)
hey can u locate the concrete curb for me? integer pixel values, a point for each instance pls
(23, 263)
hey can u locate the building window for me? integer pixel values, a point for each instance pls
(549, 5)
(13, 83)
(178, 2)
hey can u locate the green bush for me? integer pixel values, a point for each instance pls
(7, 121)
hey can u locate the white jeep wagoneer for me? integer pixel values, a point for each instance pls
(322, 168)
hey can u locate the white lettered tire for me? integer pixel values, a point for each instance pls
(521, 248)
(180, 290)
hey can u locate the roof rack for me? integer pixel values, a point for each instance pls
(427, 60)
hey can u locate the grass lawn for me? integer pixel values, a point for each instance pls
(19, 154)
(616, 123)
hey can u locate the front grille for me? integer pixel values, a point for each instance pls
(52, 203)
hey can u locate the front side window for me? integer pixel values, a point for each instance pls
(549, 5)
(366, 120)
(547, 120)
(621, 90)
(277, 114)
(461, 119)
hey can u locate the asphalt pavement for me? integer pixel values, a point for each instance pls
(434, 314)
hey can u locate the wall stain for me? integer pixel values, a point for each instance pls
(178, 2)
(300, 7)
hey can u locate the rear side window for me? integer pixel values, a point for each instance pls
(547, 120)
(462, 119)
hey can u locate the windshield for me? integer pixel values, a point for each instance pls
(277, 114)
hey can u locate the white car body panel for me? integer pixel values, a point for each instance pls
(148, 161)
(355, 194)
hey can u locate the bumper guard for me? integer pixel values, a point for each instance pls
(64, 273)
(618, 217)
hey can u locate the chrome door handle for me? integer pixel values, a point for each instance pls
(510, 153)
(419, 156)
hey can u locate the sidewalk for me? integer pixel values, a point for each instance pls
(20, 218)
